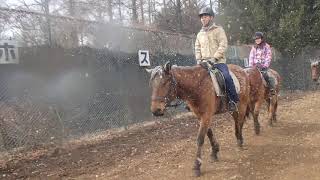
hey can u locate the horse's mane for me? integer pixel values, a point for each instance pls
(159, 70)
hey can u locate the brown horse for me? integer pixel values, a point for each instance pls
(194, 86)
(315, 70)
(259, 93)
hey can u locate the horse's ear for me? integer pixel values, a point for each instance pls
(167, 67)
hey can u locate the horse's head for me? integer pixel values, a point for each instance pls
(163, 86)
(315, 70)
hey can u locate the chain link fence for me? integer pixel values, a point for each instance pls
(55, 94)
(77, 76)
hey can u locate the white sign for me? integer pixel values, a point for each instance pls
(144, 58)
(9, 52)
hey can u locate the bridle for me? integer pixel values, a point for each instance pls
(172, 90)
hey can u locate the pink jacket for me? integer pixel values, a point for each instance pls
(260, 55)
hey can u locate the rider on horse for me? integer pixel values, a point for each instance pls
(210, 45)
(260, 57)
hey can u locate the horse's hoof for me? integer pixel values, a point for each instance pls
(240, 143)
(196, 167)
(257, 131)
(197, 173)
(214, 158)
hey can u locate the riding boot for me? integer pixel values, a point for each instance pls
(270, 86)
(268, 80)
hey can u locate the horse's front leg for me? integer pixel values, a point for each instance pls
(200, 140)
(214, 145)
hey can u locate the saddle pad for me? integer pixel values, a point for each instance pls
(235, 81)
(217, 88)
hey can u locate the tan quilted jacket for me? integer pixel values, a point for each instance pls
(211, 44)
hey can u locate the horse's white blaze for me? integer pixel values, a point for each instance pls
(149, 70)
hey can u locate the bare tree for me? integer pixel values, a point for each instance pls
(48, 19)
(120, 11)
(142, 11)
(32, 30)
(73, 34)
(44, 7)
(164, 4)
(110, 7)
(179, 14)
(134, 11)
(149, 11)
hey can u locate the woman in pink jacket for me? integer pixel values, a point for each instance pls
(260, 57)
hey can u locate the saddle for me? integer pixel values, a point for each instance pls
(272, 79)
(218, 81)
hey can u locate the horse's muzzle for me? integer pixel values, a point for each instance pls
(158, 112)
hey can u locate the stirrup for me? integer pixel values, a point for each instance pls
(272, 92)
(232, 106)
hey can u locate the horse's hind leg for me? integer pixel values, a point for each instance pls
(214, 145)
(200, 140)
(274, 116)
(239, 119)
(272, 107)
(256, 117)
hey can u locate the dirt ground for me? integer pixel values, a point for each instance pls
(166, 150)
